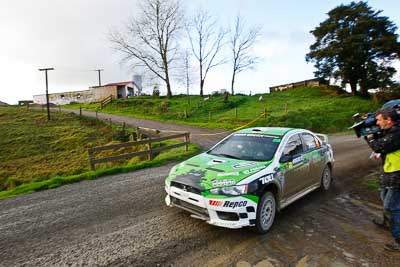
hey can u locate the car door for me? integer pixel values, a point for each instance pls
(296, 170)
(313, 152)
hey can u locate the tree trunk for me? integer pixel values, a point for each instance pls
(169, 92)
(353, 86)
(233, 82)
(201, 87)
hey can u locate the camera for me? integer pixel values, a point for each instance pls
(366, 124)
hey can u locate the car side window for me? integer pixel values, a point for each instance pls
(310, 141)
(293, 146)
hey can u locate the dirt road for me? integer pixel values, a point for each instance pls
(121, 220)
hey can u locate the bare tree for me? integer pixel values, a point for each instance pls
(241, 42)
(151, 39)
(206, 40)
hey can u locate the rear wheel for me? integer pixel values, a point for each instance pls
(326, 179)
(265, 212)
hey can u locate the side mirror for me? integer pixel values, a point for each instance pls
(286, 158)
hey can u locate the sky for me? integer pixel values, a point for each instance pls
(72, 37)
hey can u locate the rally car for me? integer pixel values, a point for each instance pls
(249, 175)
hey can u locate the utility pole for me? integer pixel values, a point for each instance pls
(47, 92)
(99, 70)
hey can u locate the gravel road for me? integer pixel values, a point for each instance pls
(121, 220)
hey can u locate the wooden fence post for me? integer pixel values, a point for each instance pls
(236, 114)
(187, 142)
(96, 114)
(110, 122)
(150, 156)
(138, 137)
(92, 167)
(80, 111)
(265, 113)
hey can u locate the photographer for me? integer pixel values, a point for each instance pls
(387, 143)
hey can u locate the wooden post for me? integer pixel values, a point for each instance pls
(96, 114)
(265, 112)
(110, 122)
(138, 134)
(187, 142)
(80, 111)
(236, 113)
(91, 158)
(150, 156)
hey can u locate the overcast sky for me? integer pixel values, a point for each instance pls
(71, 36)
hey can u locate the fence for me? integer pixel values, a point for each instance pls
(106, 101)
(149, 152)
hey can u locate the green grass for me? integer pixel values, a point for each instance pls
(317, 109)
(168, 156)
(36, 154)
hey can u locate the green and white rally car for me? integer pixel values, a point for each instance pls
(249, 175)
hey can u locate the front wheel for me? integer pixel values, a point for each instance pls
(265, 212)
(326, 179)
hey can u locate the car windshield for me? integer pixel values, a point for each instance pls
(256, 147)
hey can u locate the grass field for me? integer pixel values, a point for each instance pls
(36, 154)
(314, 108)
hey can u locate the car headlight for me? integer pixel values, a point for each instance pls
(231, 191)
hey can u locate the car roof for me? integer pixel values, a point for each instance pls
(277, 131)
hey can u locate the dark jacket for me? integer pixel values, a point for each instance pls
(387, 142)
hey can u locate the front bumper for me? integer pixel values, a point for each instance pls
(229, 212)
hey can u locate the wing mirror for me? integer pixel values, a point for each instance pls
(285, 158)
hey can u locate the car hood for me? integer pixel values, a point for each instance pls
(205, 171)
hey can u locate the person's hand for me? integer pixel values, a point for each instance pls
(370, 136)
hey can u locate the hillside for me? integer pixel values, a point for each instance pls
(318, 109)
(31, 149)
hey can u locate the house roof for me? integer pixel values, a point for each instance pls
(119, 83)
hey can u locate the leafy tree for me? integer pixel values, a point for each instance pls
(355, 44)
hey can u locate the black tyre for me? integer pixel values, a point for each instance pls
(326, 179)
(266, 210)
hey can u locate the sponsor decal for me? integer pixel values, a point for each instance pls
(228, 174)
(276, 140)
(288, 165)
(223, 183)
(267, 178)
(235, 204)
(255, 169)
(298, 160)
(216, 203)
(242, 165)
(195, 173)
